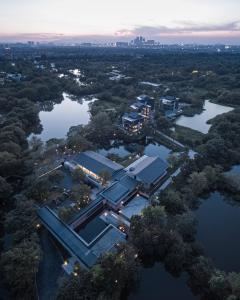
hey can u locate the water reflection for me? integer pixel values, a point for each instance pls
(199, 122)
(57, 122)
(218, 231)
(155, 149)
(156, 283)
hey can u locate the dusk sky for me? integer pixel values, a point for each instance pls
(170, 21)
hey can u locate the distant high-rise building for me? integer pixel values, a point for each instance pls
(30, 43)
(121, 44)
(150, 42)
(138, 41)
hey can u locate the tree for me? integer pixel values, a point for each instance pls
(172, 202)
(39, 189)
(81, 194)
(21, 221)
(56, 176)
(114, 274)
(198, 182)
(20, 265)
(219, 285)
(234, 280)
(78, 175)
(105, 176)
(65, 213)
(200, 274)
(5, 192)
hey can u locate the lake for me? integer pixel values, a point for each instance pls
(57, 122)
(218, 231)
(199, 121)
(156, 283)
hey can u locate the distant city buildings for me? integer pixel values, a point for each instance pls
(122, 44)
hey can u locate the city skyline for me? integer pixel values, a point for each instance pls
(72, 21)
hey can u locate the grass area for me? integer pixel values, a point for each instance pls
(187, 136)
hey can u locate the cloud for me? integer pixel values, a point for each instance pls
(183, 28)
(181, 31)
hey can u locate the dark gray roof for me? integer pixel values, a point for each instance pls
(97, 163)
(153, 171)
(67, 236)
(115, 192)
(119, 189)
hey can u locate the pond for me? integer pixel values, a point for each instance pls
(152, 149)
(156, 283)
(218, 231)
(155, 149)
(121, 151)
(235, 170)
(199, 121)
(57, 122)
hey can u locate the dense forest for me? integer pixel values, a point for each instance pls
(166, 231)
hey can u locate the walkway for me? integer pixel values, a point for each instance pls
(170, 139)
(56, 168)
(49, 268)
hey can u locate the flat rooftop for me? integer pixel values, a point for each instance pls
(134, 207)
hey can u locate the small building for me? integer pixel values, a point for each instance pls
(15, 77)
(148, 171)
(132, 122)
(170, 106)
(147, 100)
(143, 109)
(94, 164)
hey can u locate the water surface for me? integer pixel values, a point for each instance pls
(218, 231)
(156, 284)
(199, 121)
(155, 149)
(120, 151)
(57, 122)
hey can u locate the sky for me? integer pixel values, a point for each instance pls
(169, 21)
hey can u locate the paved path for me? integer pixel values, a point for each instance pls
(170, 139)
(56, 168)
(49, 268)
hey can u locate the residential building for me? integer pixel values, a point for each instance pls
(170, 106)
(132, 122)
